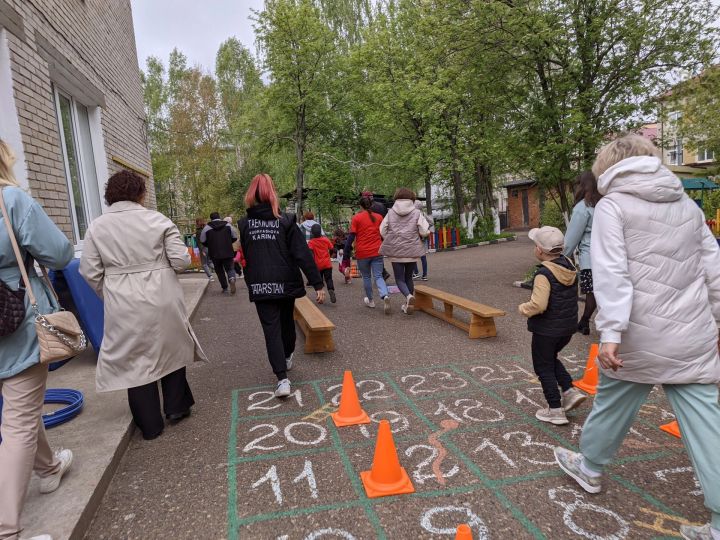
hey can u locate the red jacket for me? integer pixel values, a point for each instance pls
(321, 248)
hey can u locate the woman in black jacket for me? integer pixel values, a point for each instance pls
(275, 251)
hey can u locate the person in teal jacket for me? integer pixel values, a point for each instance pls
(577, 238)
(24, 446)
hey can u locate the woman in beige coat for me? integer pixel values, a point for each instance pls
(130, 257)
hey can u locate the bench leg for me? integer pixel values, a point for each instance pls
(482, 327)
(448, 310)
(422, 302)
(319, 341)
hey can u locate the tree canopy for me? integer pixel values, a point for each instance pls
(445, 96)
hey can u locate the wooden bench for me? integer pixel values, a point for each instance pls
(482, 322)
(315, 325)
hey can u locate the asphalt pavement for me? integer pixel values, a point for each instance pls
(246, 465)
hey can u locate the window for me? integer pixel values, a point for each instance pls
(79, 158)
(676, 153)
(705, 154)
(674, 116)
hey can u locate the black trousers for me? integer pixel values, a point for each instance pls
(327, 276)
(224, 268)
(278, 324)
(145, 402)
(404, 277)
(549, 368)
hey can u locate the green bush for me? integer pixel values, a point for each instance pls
(711, 202)
(551, 215)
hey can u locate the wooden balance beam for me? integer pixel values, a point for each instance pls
(315, 325)
(482, 322)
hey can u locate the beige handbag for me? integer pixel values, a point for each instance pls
(59, 334)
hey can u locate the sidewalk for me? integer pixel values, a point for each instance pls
(98, 438)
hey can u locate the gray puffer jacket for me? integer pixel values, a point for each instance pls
(402, 230)
(656, 273)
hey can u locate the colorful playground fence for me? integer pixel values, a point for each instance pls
(445, 237)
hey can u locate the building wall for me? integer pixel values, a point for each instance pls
(87, 48)
(515, 207)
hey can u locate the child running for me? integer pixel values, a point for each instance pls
(321, 248)
(552, 319)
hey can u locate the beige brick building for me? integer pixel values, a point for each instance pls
(71, 102)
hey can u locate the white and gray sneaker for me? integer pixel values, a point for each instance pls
(386, 305)
(233, 288)
(552, 416)
(289, 362)
(369, 303)
(570, 462)
(283, 388)
(694, 532)
(572, 398)
(410, 304)
(48, 484)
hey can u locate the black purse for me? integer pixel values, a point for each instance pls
(12, 305)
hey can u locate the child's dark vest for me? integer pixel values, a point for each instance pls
(560, 317)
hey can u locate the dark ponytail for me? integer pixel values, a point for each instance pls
(366, 204)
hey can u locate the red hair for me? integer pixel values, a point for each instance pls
(262, 190)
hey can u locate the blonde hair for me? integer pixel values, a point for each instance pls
(625, 147)
(7, 160)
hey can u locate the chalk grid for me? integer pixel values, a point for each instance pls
(294, 475)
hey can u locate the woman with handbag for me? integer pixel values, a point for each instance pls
(130, 257)
(23, 376)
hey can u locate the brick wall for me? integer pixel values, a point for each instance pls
(96, 38)
(515, 207)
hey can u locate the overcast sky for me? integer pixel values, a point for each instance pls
(196, 28)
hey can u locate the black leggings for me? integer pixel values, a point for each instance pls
(278, 324)
(145, 402)
(404, 277)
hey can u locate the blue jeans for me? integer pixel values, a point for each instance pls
(373, 265)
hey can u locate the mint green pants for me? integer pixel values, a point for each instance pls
(698, 413)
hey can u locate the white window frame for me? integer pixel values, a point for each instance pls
(705, 154)
(9, 123)
(98, 149)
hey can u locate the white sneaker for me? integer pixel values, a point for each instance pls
(369, 303)
(39, 537)
(410, 304)
(386, 305)
(694, 532)
(288, 362)
(571, 463)
(552, 416)
(572, 399)
(403, 308)
(283, 388)
(48, 484)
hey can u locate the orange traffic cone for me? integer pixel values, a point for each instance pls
(349, 413)
(354, 272)
(386, 477)
(463, 532)
(672, 428)
(589, 381)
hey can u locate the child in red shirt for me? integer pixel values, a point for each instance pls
(321, 248)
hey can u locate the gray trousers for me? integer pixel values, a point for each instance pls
(698, 413)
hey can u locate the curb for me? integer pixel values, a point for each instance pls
(478, 244)
(88, 514)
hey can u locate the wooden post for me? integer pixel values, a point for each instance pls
(448, 310)
(482, 327)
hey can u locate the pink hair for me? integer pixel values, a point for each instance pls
(262, 190)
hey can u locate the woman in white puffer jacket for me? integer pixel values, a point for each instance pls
(656, 272)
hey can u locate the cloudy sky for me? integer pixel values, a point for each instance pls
(161, 25)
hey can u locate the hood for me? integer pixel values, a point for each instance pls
(403, 206)
(217, 224)
(309, 223)
(562, 269)
(261, 211)
(644, 177)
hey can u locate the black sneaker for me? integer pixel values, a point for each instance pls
(424, 278)
(332, 296)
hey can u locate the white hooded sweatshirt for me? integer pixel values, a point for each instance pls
(656, 274)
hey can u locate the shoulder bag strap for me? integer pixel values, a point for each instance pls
(20, 262)
(16, 249)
